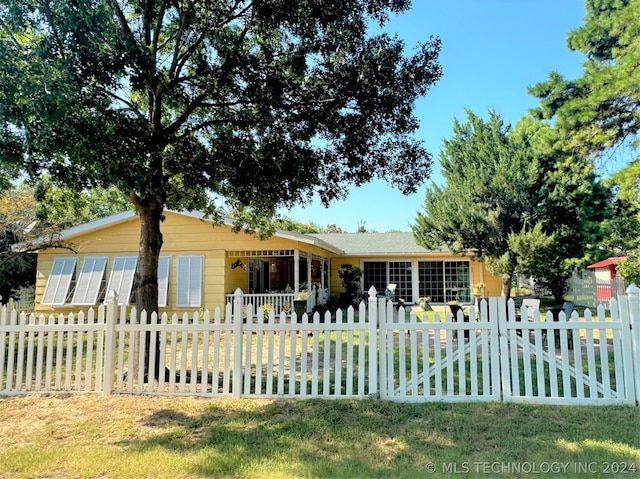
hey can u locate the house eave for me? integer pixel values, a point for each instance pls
(125, 216)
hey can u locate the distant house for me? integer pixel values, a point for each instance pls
(202, 264)
(605, 273)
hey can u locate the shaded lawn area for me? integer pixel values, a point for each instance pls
(92, 436)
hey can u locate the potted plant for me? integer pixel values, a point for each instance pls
(477, 289)
(300, 304)
(350, 276)
(424, 303)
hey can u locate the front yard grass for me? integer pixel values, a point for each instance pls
(121, 436)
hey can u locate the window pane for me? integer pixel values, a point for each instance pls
(457, 281)
(400, 274)
(189, 288)
(375, 274)
(121, 280)
(431, 277)
(163, 280)
(59, 281)
(89, 282)
(445, 281)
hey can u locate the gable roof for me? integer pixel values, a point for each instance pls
(125, 216)
(379, 244)
(607, 262)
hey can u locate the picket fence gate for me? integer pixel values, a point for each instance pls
(375, 351)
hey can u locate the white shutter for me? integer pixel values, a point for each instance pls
(189, 287)
(59, 280)
(90, 280)
(121, 279)
(164, 264)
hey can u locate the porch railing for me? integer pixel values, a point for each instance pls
(278, 301)
(282, 301)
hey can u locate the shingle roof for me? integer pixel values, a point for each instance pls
(375, 243)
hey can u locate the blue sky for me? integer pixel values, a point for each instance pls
(492, 50)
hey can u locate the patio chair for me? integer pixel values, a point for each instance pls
(568, 309)
(454, 311)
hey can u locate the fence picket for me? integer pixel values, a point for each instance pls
(304, 356)
(277, 356)
(3, 342)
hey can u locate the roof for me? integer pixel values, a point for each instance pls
(344, 244)
(607, 262)
(380, 244)
(131, 215)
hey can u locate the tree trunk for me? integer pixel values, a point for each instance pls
(146, 279)
(506, 285)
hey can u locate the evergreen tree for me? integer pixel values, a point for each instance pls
(599, 110)
(513, 199)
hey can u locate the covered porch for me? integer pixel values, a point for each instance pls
(275, 279)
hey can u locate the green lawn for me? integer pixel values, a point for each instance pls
(88, 436)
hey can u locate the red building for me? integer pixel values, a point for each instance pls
(605, 273)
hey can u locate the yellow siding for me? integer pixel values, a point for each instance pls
(182, 235)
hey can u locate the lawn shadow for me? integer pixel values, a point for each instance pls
(349, 438)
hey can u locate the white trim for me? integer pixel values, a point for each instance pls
(55, 293)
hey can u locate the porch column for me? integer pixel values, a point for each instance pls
(323, 279)
(296, 272)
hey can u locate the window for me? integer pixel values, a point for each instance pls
(90, 284)
(121, 280)
(62, 273)
(375, 274)
(431, 280)
(189, 281)
(382, 273)
(444, 281)
(163, 280)
(400, 275)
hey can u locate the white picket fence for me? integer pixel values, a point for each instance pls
(374, 351)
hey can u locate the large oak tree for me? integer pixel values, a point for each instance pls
(182, 102)
(179, 103)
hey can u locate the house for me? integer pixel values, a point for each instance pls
(202, 264)
(605, 273)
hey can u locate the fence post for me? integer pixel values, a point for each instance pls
(237, 343)
(373, 339)
(382, 348)
(500, 372)
(109, 349)
(634, 319)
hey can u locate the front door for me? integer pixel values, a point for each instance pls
(258, 276)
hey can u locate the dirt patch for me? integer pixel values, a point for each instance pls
(47, 419)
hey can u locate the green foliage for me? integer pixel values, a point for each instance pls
(622, 230)
(350, 276)
(629, 268)
(65, 207)
(33, 216)
(289, 224)
(513, 198)
(598, 110)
